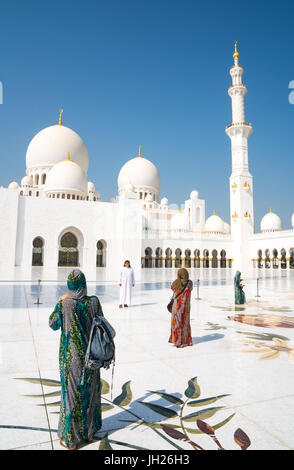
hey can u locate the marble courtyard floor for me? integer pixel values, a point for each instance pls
(238, 375)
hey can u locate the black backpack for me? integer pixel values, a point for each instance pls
(101, 347)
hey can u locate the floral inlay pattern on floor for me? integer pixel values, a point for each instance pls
(188, 423)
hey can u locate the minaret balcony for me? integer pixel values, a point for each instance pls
(237, 85)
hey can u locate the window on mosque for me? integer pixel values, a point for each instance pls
(68, 250)
(37, 258)
(101, 254)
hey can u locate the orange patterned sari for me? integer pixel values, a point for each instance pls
(180, 318)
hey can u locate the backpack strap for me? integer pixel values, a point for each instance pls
(96, 306)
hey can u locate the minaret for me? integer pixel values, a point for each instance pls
(241, 190)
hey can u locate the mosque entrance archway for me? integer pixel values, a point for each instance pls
(259, 263)
(178, 260)
(291, 260)
(205, 258)
(168, 258)
(275, 258)
(267, 262)
(148, 258)
(101, 254)
(197, 259)
(158, 259)
(68, 250)
(187, 258)
(223, 261)
(283, 259)
(214, 259)
(38, 246)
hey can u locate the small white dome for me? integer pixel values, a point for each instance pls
(112, 199)
(227, 228)
(179, 222)
(141, 173)
(13, 185)
(164, 201)
(270, 222)
(66, 177)
(27, 181)
(51, 145)
(214, 224)
(91, 187)
(194, 194)
(149, 198)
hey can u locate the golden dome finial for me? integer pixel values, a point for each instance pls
(213, 211)
(271, 210)
(236, 53)
(139, 153)
(68, 158)
(60, 117)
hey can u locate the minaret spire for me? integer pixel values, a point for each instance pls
(60, 117)
(236, 54)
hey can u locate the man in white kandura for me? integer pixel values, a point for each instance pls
(126, 282)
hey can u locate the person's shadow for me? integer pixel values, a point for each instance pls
(136, 412)
(207, 338)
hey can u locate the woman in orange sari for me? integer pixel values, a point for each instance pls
(180, 319)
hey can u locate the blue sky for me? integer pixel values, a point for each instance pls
(153, 73)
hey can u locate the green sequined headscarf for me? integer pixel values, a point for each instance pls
(76, 284)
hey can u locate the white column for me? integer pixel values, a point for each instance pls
(241, 182)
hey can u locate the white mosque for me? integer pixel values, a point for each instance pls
(55, 218)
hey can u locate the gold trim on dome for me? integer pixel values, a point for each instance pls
(247, 215)
(235, 215)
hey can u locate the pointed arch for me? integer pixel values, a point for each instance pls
(101, 254)
(70, 247)
(38, 251)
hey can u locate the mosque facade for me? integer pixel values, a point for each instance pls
(55, 218)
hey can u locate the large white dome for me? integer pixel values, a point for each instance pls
(66, 177)
(179, 222)
(227, 228)
(270, 222)
(52, 144)
(214, 224)
(141, 173)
